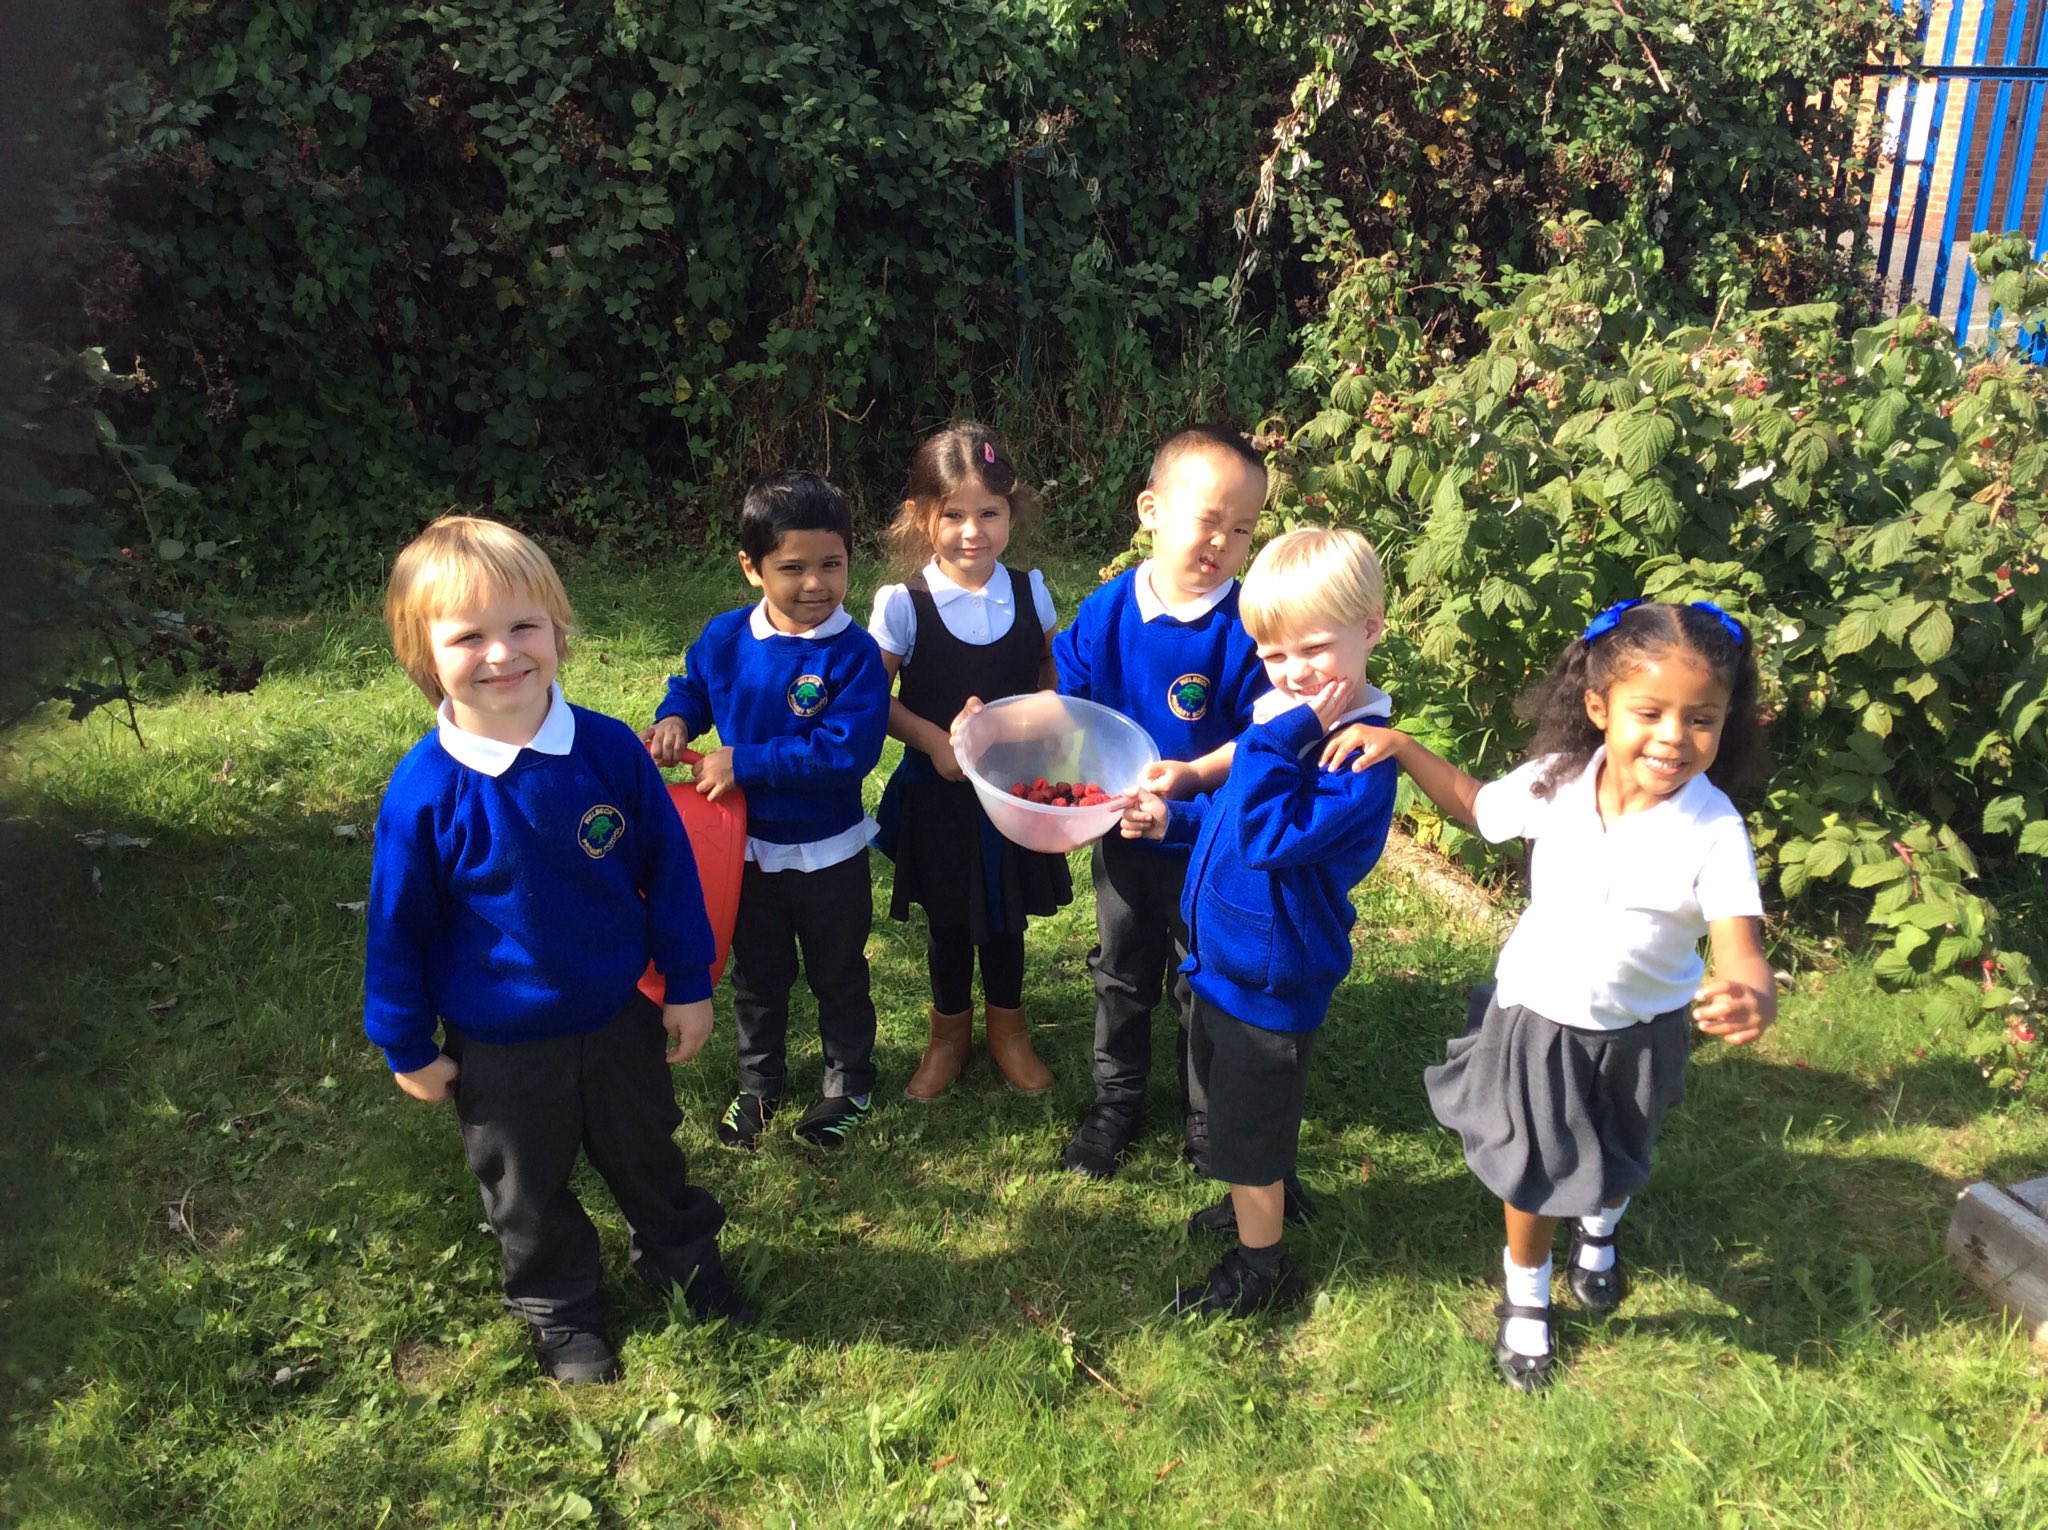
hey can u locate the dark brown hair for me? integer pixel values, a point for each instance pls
(957, 453)
(1642, 635)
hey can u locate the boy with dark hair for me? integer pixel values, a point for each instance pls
(1162, 644)
(800, 700)
(528, 864)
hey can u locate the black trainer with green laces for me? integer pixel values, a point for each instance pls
(744, 1120)
(826, 1123)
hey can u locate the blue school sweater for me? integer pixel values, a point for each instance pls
(1276, 853)
(1190, 685)
(805, 717)
(513, 904)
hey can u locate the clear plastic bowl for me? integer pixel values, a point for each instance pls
(1063, 739)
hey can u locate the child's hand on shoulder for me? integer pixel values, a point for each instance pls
(1731, 1010)
(688, 1027)
(666, 741)
(1144, 816)
(713, 773)
(1170, 779)
(433, 1083)
(1371, 745)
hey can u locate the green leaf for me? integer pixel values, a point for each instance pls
(1934, 636)
(1890, 542)
(1881, 419)
(1856, 631)
(2004, 814)
(2034, 838)
(1877, 873)
(1951, 949)
(1645, 439)
(1826, 858)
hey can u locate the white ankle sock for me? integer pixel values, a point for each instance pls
(1600, 1256)
(1526, 1288)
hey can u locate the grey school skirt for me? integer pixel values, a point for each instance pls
(1557, 1122)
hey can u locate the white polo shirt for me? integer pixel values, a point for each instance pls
(973, 616)
(1616, 910)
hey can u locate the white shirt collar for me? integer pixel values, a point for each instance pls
(831, 626)
(1150, 605)
(997, 592)
(557, 735)
(1377, 703)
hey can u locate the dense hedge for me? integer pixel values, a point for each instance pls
(1874, 506)
(598, 262)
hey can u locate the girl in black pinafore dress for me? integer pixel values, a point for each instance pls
(963, 626)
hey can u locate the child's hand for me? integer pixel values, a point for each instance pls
(1333, 700)
(1731, 1011)
(1372, 744)
(1170, 779)
(666, 741)
(967, 710)
(433, 1083)
(688, 1026)
(1144, 816)
(713, 774)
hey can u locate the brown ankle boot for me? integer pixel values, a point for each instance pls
(945, 1054)
(1009, 1047)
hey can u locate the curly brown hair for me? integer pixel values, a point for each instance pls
(1642, 635)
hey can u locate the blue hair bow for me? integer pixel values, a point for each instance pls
(1729, 624)
(1609, 619)
(1606, 621)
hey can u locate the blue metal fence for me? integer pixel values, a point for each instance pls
(1984, 154)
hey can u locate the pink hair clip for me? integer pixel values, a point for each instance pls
(988, 452)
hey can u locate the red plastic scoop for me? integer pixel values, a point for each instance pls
(718, 839)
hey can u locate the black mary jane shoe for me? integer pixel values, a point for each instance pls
(1595, 1290)
(1525, 1373)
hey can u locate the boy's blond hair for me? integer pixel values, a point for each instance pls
(1316, 576)
(459, 562)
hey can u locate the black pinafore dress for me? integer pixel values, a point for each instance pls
(948, 856)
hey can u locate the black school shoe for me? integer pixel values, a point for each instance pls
(575, 1356)
(1238, 1287)
(1194, 1141)
(1100, 1142)
(1221, 1218)
(744, 1120)
(826, 1123)
(1595, 1290)
(1525, 1373)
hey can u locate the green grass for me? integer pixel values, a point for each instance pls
(243, 1282)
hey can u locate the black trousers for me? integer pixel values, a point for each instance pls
(527, 1108)
(1140, 942)
(827, 916)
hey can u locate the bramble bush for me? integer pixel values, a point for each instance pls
(1871, 505)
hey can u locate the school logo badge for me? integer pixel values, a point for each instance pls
(601, 830)
(807, 696)
(1188, 697)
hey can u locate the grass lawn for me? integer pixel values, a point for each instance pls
(243, 1281)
